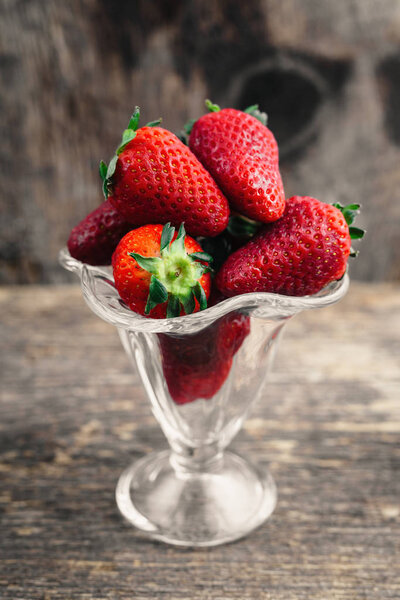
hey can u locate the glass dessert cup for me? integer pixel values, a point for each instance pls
(201, 373)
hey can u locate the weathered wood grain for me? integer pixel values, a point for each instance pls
(73, 415)
(327, 73)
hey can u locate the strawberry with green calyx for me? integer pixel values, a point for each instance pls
(298, 255)
(241, 154)
(159, 273)
(95, 238)
(155, 178)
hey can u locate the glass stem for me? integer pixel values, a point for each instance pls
(203, 459)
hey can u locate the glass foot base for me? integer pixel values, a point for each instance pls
(195, 508)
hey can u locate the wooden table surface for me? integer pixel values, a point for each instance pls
(73, 415)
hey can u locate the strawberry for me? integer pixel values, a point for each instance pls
(297, 255)
(95, 238)
(159, 273)
(196, 366)
(189, 379)
(155, 178)
(241, 154)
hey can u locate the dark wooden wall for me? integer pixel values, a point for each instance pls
(328, 74)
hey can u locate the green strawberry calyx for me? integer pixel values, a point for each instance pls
(107, 172)
(350, 211)
(255, 112)
(243, 227)
(175, 274)
(252, 110)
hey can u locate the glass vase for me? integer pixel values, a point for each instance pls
(201, 373)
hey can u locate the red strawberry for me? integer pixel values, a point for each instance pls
(196, 366)
(190, 376)
(158, 273)
(155, 178)
(95, 238)
(234, 328)
(297, 255)
(241, 154)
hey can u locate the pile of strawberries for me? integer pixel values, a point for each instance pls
(225, 190)
(220, 183)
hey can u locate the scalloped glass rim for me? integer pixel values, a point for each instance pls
(102, 297)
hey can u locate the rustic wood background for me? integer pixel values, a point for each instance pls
(328, 74)
(74, 415)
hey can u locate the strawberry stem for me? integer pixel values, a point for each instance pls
(212, 107)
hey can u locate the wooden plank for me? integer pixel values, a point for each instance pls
(73, 415)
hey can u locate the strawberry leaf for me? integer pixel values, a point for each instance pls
(154, 123)
(150, 264)
(201, 256)
(350, 212)
(356, 233)
(218, 247)
(103, 170)
(186, 131)
(239, 226)
(187, 128)
(166, 236)
(212, 107)
(200, 296)
(188, 303)
(182, 137)
(134, 120)
(106, 192)
(173, 307)
(257, 114)
(103, 174)
(106, 174)
(348, 216)
(207, 269)
(127, 136)
(111, 167)
(157, 294)
(178, 245)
